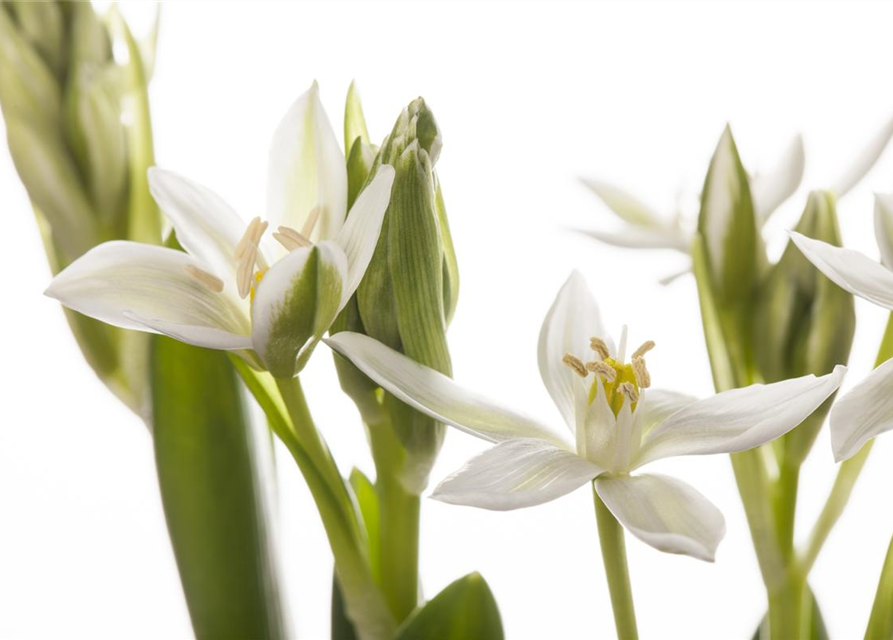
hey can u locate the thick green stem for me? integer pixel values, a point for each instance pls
(787, 606)
(786, 506)
(399, 512)
(610, 535)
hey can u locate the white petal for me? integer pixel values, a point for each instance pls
(863, 413)
(137, 286)
(643, 238)
(514, 474)
(739, 419)
(571, 321)
(853, 271)
(435, 394)
(771, 189)
(360, 232)
(206, 226)
(883, 227)
(866, 160)
(307, 170)
(666, 513)
(626, 206)
(656, 405)
(285, 324)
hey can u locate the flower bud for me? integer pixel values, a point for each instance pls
(410, 288)
(804, 323)
(727, 223)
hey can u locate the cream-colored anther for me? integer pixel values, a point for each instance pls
(643, 378)
(310, 222)
(246, 239)
(605, 370)
(245, 270)
(647, 346)
(576, 364)
(600, 347)
(208, 280)
(291, 239)
(629, 390)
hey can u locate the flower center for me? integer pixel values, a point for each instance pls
(621, 380)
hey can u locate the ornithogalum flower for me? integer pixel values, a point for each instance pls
(233, 288)
(617, 423)
(867, 410)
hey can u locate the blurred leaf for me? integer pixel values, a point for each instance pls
(211, 486)
(464, 610)
(880, 623)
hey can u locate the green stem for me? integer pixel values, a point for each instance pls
(787, 606)
(610, 535)
(847, 474)
(786, 506)
(399, 512)
(289, 417)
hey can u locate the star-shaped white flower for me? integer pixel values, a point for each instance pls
(232, 288)
(617, 424)
(865, 411)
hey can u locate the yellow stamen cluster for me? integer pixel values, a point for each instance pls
(620, 380)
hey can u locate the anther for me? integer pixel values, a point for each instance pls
(598, 345)
(310, 222)
(576, 364)
(210, 281)
(643, 378)
(247, 238)
(629, 390)
(245, 270)
(647, 346)
(291, 239)
(604, 369)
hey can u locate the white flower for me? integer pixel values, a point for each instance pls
(617, 424)
(867, 410)
(233, 289)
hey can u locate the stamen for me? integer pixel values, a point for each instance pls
(576, 364)
(629, 390)
(603, 368)
(643, 378)
(209, 280)
(295, 239)
(598, 345)
(247, 238)
(310, 222)
(245, 270)
(647, 346)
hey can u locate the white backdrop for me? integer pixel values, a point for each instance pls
(529, 98)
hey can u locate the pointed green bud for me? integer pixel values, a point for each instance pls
(296, 302)
(804, 323)
(728, 224)
(354, 120)
(410, 287)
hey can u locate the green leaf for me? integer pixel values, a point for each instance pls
(211, 488)
(464, 610)
(880, 623)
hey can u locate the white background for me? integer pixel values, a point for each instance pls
(529, 98)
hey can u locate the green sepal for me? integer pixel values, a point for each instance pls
(305, 311)
(212, 491)
(359, 164)
(464, 609)
(450, 264)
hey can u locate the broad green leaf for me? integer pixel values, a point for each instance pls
(211, 487)
(464, 610)
(880, 623)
